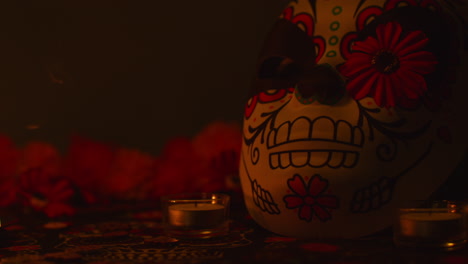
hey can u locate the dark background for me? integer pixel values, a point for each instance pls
(133, 73)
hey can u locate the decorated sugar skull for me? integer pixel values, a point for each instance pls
(356, 108)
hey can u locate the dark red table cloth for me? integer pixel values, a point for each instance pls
(127, 235)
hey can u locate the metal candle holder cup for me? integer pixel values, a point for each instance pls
(196, 215)
(435, 225)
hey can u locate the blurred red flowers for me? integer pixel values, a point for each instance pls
(40, 178)
(41, 192)
(9, 156)
(208, 162)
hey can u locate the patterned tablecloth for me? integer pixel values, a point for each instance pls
(123, 236)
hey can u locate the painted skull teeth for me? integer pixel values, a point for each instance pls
(315, 143)
(263, 199)
(314, 159)
(374, 196)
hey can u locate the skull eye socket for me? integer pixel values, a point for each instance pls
(286, 52)
(276, 73)
(278, 67)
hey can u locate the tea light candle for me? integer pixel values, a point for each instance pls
(431, 224)
(196, 215)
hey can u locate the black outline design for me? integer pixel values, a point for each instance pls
(307, 187)
(260, 131)
(387, 152)
(361, 3)
(335, 150)
(371, 197)
(380, 192)
(313, 5)
(261, 197)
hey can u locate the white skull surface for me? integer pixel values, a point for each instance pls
(355, 110)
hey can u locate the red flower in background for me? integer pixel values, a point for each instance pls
(175, 168)
(87, 165)
(8, 193)
(40, 178)
(9, 156)
(219, 145)
(41, 155)
(45, 194)
(103, 172)
(208, 163)
(389, 68)
(181, 169)
(130, 175)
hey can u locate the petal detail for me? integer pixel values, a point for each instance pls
(317, 185)
(367, 87)
(414, 41)
(305, 213)
(389, 91)
(407, 61)
(359, 64)
(388, 34)
(379, 92)
(321, 213)
(293, 201)
(369, 46)
(297, 185)
(360, 81)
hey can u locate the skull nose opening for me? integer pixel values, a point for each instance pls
(322, 83)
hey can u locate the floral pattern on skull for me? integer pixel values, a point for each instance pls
(311, 198)
(354, 95)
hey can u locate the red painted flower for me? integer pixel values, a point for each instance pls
(310, 198)
(390, 67)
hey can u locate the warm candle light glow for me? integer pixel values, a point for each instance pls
(441, 225)
(199, 215)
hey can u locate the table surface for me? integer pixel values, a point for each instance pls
(126, 235)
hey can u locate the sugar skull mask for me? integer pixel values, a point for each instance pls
(355, 109)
